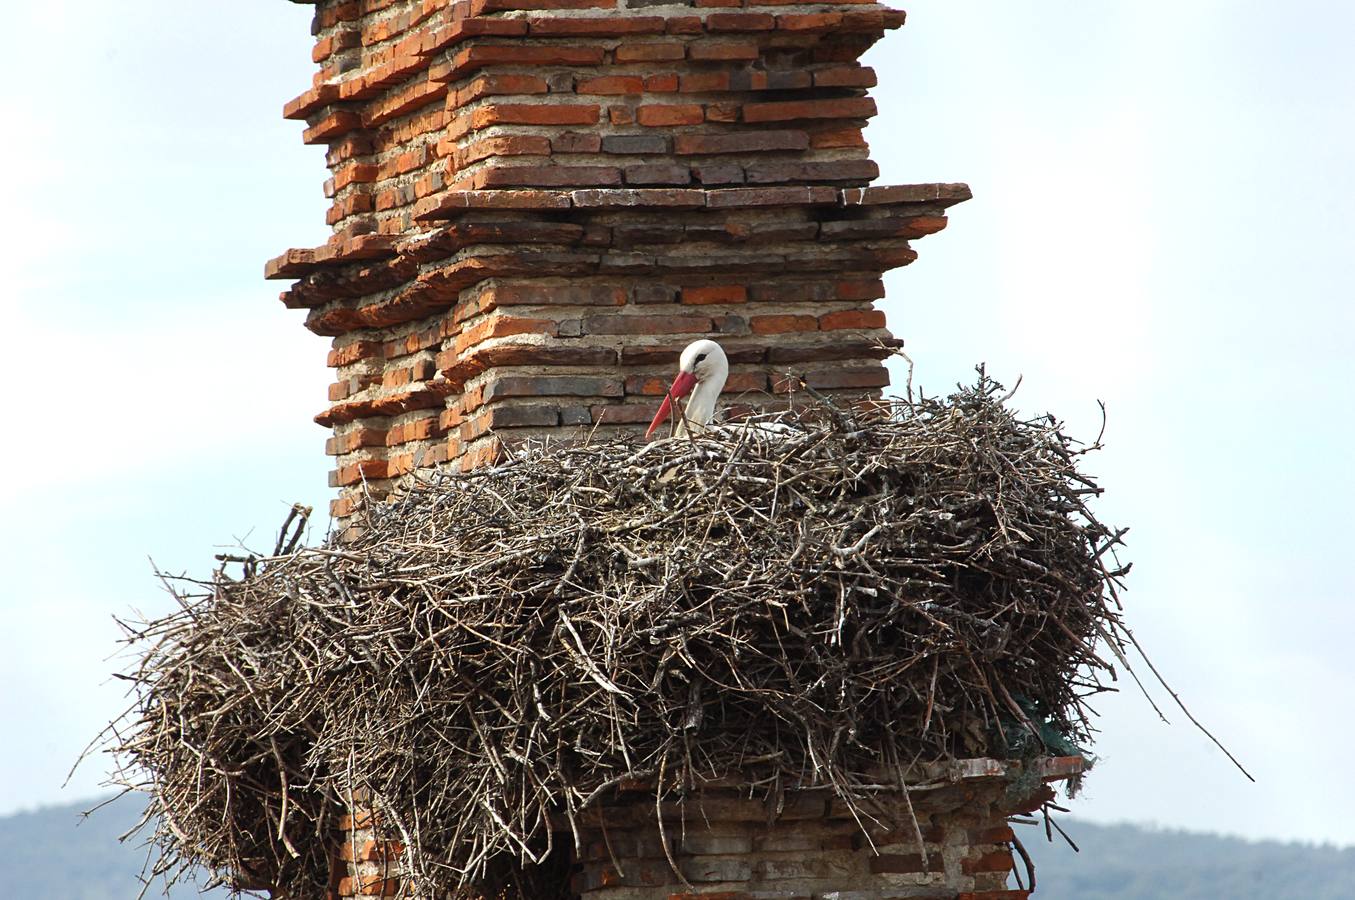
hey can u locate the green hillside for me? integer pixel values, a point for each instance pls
(55, 855)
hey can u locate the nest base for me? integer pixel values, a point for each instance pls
(948, 836)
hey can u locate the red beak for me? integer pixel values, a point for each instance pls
(682, 386)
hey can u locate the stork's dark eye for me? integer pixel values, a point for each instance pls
(700, 356)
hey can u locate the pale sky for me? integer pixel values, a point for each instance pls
(1161, 221)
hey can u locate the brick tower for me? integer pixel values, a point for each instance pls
(536, 205)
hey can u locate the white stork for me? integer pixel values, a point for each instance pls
(702, 372)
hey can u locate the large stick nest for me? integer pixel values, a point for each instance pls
(808, 608)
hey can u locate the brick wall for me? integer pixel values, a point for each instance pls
(538, 203)
(535, 205)
(955, 844)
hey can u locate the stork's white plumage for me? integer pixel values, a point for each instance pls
(702, 372)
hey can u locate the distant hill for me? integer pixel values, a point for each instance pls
(56, 854)
(1127, 862)
(53, 855)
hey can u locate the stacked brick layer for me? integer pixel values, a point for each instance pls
(725, 846)
(537, 203)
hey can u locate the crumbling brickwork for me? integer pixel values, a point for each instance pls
(537, 203)
(722, 844)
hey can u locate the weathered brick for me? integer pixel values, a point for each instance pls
(558, 294)
(649, 52)
(715, 294)
(552, 386)
(845, 76)
(836, 170)
(542, 176)
(782, 324)
(718, 22)
(615, 26)
(852, 318)
(658, 173)
(575, 142)
(905, 863)
(611, 84)
(535, 114)
(993, 861)
(739, 142)
(536, 415)
(634, 143)
(723, 51)
(647, 324)
(656, 115)
(666, 83)
(789, 110)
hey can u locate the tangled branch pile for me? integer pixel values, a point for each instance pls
(811, 607)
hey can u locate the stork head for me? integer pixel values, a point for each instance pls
(703, 367)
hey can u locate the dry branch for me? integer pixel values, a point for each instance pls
(797, 606)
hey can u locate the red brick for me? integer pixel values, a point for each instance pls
(611, 84)
(836, 138)
(789, 110)
(724, 51)
(615, 26)
(723, 112)
(656, 115)
(717, 22)
(653, 52)
(331, 126)
(367, 469)
(502, 326)
(715, 294)
(481, 7)
(502, 145)
(352, 352)
(852, 318)
(998, 834)
(859, 290)
(809, 22)
(563, 294)
(704, 82)
(845, 76)
(535, 114)
(472, 58)
(666, 83)
(576, 142)
(687, 24)
(734, 198)
(994, 861)
(490, 85)
(782, 324)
